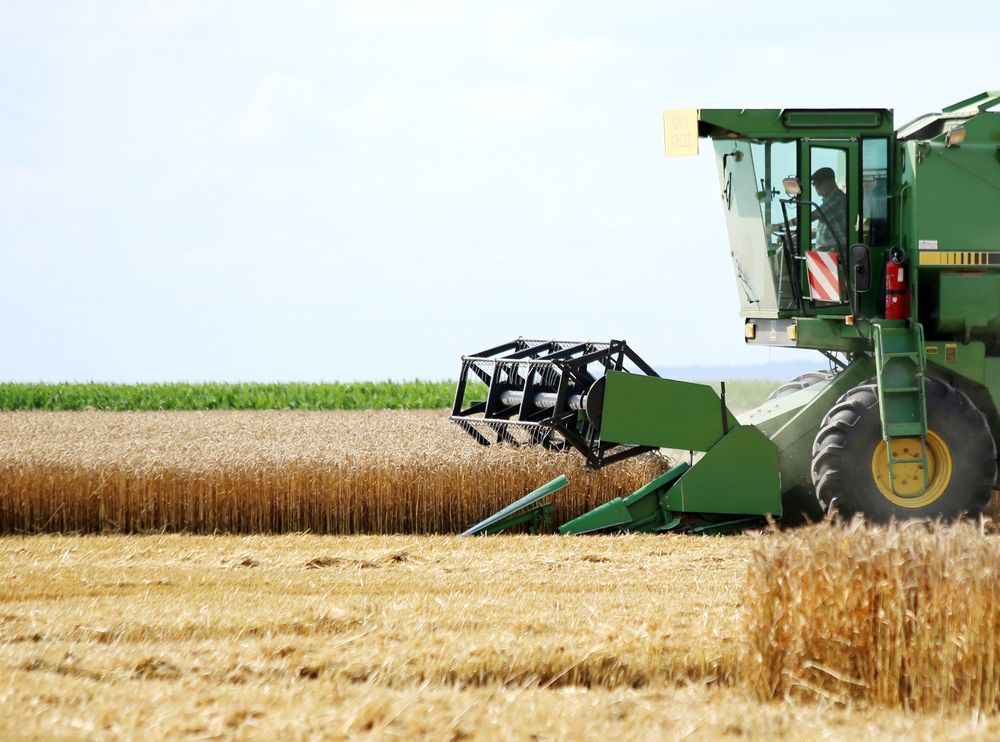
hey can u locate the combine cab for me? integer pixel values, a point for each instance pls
(878, 247)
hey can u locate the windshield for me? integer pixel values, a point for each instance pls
(751, 176)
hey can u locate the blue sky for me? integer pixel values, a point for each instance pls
(367, 190)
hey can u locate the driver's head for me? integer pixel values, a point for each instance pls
(825, 181)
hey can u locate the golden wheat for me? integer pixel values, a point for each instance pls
(397, 637)
(274, 471)
(899, 616)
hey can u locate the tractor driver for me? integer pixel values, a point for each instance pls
(831, 232)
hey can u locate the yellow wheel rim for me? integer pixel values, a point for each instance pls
(909, 478)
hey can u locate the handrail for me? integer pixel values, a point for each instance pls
(980, 103)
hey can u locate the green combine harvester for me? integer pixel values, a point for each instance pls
(879, 248)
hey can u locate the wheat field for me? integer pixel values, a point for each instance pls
(895, 616)
(833, 631)
(399, 637)
(275, 472)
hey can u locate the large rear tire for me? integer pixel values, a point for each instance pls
(851, 473)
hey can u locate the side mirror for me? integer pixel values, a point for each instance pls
(861, 268)
(792, 187)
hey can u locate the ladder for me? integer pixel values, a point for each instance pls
(900, 360)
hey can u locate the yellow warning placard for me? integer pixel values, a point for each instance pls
(680, 132)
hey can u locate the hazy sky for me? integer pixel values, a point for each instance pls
(367, 190)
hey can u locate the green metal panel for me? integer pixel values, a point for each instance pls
(969, 301)
(955, 190)
(538, 519)
(506, 517)
(813, 119)
(727, 526)
(774, 414)
(966, 360)
(830, 334)
(612, 514)
(950, 202)
(738, 475)
(992, 381)
(661, 482)
(776, 123)
(650, 411)
(640, 511)
(791, 422)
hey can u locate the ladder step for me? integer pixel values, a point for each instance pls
(909, 461)
(900, 389)
(904, 430)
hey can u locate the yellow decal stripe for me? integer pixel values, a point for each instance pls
(928, 257)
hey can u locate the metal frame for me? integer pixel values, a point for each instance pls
(545, 392)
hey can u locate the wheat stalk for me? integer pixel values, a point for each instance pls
(274, 472)
(904, 616)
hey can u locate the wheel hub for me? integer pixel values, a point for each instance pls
(909, 490)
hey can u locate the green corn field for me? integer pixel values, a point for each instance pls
(362, 395)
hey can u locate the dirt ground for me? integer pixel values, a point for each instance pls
(398, 637)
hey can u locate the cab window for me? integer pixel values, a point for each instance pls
(875, 192)
(829, 191)
(773, 162)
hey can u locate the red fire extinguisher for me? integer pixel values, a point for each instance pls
(897, 297)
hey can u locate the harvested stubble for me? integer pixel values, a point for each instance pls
(300, 636)
(897, 616)
(273, 472)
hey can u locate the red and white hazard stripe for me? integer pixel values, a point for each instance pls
(824, 275)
